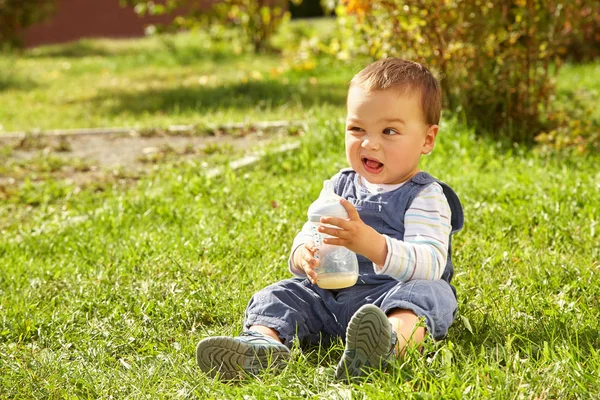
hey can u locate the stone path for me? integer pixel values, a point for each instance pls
(133, 151)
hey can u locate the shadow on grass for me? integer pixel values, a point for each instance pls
(10, 79)
(15, 84)
(250, 95)
(165, 49)
(529, 336)
(81, 48)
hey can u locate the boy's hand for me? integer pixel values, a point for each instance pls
(304, 260)
(355, 235)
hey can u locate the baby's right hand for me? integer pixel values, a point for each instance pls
(304, 260)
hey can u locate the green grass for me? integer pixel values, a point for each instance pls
(156, 82)
(106, 288)
(107, 292)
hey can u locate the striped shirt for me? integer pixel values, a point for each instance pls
(424, 251)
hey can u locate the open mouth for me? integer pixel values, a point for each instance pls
(371, 165)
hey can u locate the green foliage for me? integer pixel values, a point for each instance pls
(16, 15)
(257, 20)
(497, 60)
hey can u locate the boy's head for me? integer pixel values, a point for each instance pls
(393, 115)
(405, 77)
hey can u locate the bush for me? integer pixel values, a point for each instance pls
(497, 60)
(573, 126)
(15, 15)
(587, 46)
(257, 20)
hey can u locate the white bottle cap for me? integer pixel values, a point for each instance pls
(327, 205)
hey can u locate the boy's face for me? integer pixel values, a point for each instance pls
(386, 134)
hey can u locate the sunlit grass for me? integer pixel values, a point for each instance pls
(107, 292)
(156, 82)
(106, 288)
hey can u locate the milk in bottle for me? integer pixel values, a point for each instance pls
(338, 266)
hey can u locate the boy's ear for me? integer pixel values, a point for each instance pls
(430, 136)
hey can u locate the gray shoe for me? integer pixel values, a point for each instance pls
(370, 343)
(236, 357)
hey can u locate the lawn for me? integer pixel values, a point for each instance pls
(106, 287)
(156, 82)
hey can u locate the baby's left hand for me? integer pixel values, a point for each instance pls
(355, 235)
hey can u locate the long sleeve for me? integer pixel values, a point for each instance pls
(423, 253)
(302, 237)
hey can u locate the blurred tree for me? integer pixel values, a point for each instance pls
(16, 15)
(257, 20)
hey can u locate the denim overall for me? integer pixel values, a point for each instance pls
(297, 308)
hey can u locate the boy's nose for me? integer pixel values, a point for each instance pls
(370, 144)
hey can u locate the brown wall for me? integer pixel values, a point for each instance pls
(77, 19)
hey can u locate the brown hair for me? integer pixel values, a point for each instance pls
(404, 75)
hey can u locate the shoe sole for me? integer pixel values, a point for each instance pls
(367, 342)
(231, 359)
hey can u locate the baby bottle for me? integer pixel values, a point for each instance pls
(338, 266)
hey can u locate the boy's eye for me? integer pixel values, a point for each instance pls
(355, 129)
(390, 131)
